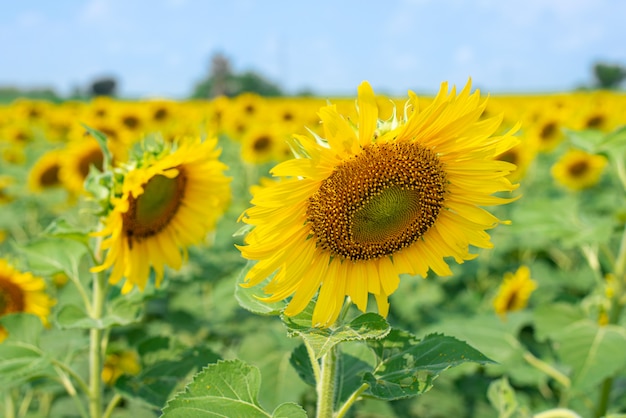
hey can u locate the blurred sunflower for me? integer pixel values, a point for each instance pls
(364, 205)
(118, 364)
(22, 292)
(44, 173)
(168, 201)
(578, 170)
(78, 157)
(514, 291)
(262, 144)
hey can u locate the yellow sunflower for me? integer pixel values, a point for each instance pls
(76, 161)
(22, 292)
(168, 202)
(118, 364)
(514, 291)
(372, 201)
(44, 173)
(578, 170)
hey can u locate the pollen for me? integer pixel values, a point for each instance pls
(378, 202)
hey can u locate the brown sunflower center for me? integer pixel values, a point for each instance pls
(50, 176)
(579, 168)
(153, 210)
(262, 143)
(548, 131)
(94, 157)
(11, 297)
(379, 202)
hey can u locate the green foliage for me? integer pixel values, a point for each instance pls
(227, 388)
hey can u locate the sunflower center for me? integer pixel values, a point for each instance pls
(152, 211)
(548, 130)
(579, 168)
(262, 143)
(379, 202)
(50, 176)
(94, 157)
(11, 297)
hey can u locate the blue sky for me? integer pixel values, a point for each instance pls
(163, 47)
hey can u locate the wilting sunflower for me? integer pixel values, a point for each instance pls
(22, 292)
(372, 201)
(578, 170)
(168, 201)
(514, 291)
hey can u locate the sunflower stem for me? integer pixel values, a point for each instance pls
(351, 400)
(617, 305)
(96, 347)
(327, 384)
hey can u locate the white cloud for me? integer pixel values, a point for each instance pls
(94, 10)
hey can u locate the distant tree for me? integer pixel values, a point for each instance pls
(221, 81)
(103, 87)
(608, 76)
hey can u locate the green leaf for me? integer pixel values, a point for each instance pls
(102, 141)
(155, 383)
(120, 312)
(23, 327)
(407, 366)
(588, 140)
(225, 389)
(502, 397)
(614, 142)
(63, 229)
(364, 327)
(594, 352)
(20, 358)
(552, 318)
(52, 255)
(249, 297)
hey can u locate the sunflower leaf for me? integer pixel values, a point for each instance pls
(364, 327)
(249, 297)
(407, 366)
(594, 352)
(227, 388)
(120, 313)
(20, 358)
(48, 256)
(102, 141)
(155, 383)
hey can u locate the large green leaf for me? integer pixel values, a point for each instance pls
(407, 366)
(594, 352)
(155, 383)
(364, 327)
(226, 389)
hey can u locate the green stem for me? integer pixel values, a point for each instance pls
(351, 400)
(327, 383)
(112, 404)
(617, 305)
(69, 388)
(96, 347)
(547, 369)
(314, 364)
(9, 408)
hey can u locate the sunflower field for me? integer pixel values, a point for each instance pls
(453, 255)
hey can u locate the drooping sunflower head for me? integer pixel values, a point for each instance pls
(168, 200)
(22, 292)
(579, 170)
(374, 199)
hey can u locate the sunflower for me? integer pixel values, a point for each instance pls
(514, 291)
(118, 364)
(578, 170)
(372, 201)
(262, 144)
(22, 292)
(168, 201)
(44, 174)
(76, 161)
